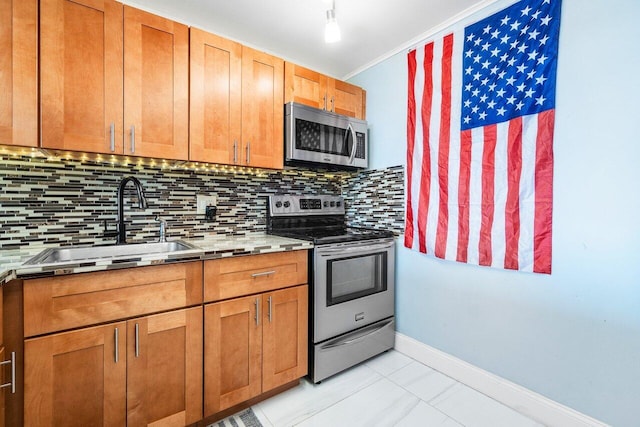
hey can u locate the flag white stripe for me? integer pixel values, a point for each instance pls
(454, 150)
(527, 196)
(498, 242)
(475, 195)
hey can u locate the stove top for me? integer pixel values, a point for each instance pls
(320, 219)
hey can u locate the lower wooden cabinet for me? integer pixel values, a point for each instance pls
(2, 391)
(140, 372)
(253, 344)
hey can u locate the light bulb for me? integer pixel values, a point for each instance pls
(331, 31)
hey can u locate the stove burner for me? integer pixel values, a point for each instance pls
(320, 219)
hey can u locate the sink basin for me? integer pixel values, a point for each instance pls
(79, 253)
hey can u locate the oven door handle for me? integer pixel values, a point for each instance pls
(346, 249)
(361, 335)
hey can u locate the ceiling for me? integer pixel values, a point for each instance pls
(372, 30)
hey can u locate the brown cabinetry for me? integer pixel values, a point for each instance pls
(256, 340)
(93, 95)
(311, 88)
(143, 370)
(236, 103)
(18, 72)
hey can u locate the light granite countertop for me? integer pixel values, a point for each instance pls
(216, 246)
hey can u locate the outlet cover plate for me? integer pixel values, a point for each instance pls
(202, 201)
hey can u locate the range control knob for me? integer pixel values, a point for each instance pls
(287, 204)
(338, 204)
(333, 204)
(326, 204)
(278, 204)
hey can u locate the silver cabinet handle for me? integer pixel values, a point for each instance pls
(133, 138)
(248, 151)
(115, 336)
(269, 301)
(333, 104)
(137, 340)
(257, 304)
(11, 383)
(324, 102)
(112, 136)
(264, 273)
(235, 151)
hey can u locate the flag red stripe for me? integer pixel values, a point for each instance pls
(512, 208)
(488, 181)
(411, 138)
(425, 175)
(544, 193)
(463, 195)
(443, 151)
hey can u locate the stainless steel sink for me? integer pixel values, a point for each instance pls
(80, 253)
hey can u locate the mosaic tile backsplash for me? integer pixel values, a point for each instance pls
(63, 202)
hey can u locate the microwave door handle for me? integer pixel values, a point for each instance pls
(354, 145)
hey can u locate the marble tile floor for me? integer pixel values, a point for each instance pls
(388, 390)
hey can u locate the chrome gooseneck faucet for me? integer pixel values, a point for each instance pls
(142, 204)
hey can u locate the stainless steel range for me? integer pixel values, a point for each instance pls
(351, 281)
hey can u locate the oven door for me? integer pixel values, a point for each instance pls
(353, 286)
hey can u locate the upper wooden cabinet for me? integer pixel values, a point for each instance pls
(311, 88)
(236, 103)
(156, 86)
(18, 72)
(93, 94)
(262, 109)
(215, 98)
(81, 79)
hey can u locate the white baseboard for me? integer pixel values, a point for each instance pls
(525, 401)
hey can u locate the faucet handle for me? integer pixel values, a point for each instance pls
(107, 232)
(163, 229)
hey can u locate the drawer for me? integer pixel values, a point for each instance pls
(65, 302)
(245, 275)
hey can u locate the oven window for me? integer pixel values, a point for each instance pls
(356, 277)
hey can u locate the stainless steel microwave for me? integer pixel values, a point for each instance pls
(322, 138)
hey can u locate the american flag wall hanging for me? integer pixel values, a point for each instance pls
(480, 119)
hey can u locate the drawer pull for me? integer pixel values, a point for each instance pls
(11, 383)
(137, 340)
(257, 304)
(115, 335)
(269, 300)
(264, 273)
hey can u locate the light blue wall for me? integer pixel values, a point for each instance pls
(573, 336)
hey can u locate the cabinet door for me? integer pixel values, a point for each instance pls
(232, 353)
(215, 98)
(2, 390)
(76, 378)
(156, 83)
(81, 75)
(305, 86)
(18, 72)
(262, 109)
(284, 336)
(346, 99)
(164, 368)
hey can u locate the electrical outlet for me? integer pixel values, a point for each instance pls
(203, 201)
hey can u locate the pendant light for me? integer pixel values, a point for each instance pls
(331, 30)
